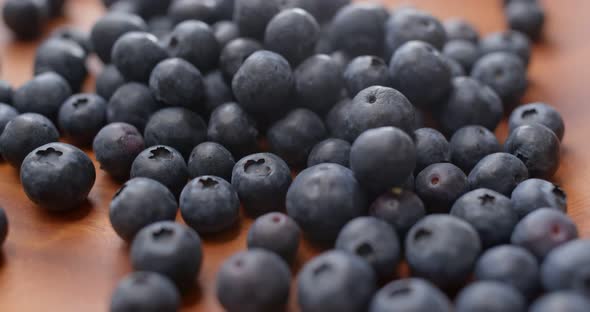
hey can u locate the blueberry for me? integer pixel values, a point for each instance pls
(373, 240)
(82, 116)
(505, 73)
(456, 69)
(560, 301)
(431, 148)
(224, 32)
(410, 295)
(73, 34)
(163, 164)
(358, 29)
(293, 137)
(508, 41)
(490, 213)
(136, 54)
(338, 123)
(210, 158)
(224, 9)
(234, 54)
(500, 172)
(511, 265)
(416, 66)
(341, 58)
(400, 208)
(332, 275)
(253, 281)
(175, 82)
(57, 176)
(171, 249)
(145, 291)
(491, 297)
(116, 146)
(318, 83)
(533, 194)
(275, 232)
(566, 267)
(185, 10)
(323, 198)
(464, 52)
(25, 18)
(217, 91)
(108, 81)
(160, 26)
(459, 29)
(540, 113)
(64, 57)
(382, 158)
(328, 8)
(150, 8)
(538, 148)
(439, 185)
(7, 113)
(543, 230)
(330, 151)
(410, 24)
(6, 92)
(262, 181)
(252, 16)
(527, 17)
(195, 42)
(23, 134)
(366, 71)
(3, 226)
(44, 94)
(138, 203)
(442, 249)
(232, 127)
(132, 103)
(470, 144)
(109, 28)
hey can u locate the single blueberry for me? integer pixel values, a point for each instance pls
(500, 172)
(275, 232)
(431, 147)
(400, 208)
(366, 71)
(410, 295)
(7, 113)
(359, 29)
(163, 164)
(508, 41)
(132, 103)
(64, 57)
(439, 185)
(470, 144)
(252, 16)
(490, 296)
(25, 18)
(538, 148)
(464, 52)
(533, 194)
(108, 81)
(318, 83)
(195, 42)
(561, 301)
(232, 127)
(116, 146)
(210, 158)
(135, 54)
(44, 94)
(505, 73)
(145, 291)
(566, 268)
(225, 31)
(527, 17)
(330, 151)
(82, 116)
(410, 24)
(175, 82)
(459, 29)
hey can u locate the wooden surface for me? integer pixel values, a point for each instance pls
(72, 262)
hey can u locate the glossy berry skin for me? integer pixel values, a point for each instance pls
(194, 41)
(293, 137)
(44, 94)
(136, 54)
(209, 204)
(6, 92)
(217, 91)
(332, 275)
(171, 249)
(268, 93)
(490, 213)
(538, 148)
(540, 113)
(323, 198)
(508, 41)
(184, 10)
(210, 158)
(108, 81)
(431, 148)
(25, 18)
(234, 54)
(561, 301)
(565, 267)
(330, 151)
(262, 181)
(75, 35)
(410, 295)
(500, 172)
(439, 185)
(64, 57)
(543, 230)
(176, 127)
(253, 281)
(224, 32)
(252, 16)
(459, 29)
(511, 265)
(505, 73)
(318, 83)
(275, 232)
(293, 34)
(7, 113)
(3, 226)
(409, 24)
(145, 291)
(57, 176)
(416, 65)
(175, 82)
(115, 147)
(358, 29)
(139, 203)
(109, 28)
(526, 17)
(163, 164)
(470, 144)
(82, 116)
(490, 296)
(464, 52)
(442, 249)
(400, 208)
(382, 158)
(533, 194)
(132, 103)
(365, 71)
(232, 127)
(23, 134)
(373, 240)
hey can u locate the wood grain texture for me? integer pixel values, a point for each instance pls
(72, 262)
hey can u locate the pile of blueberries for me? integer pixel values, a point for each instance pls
(236, 96)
